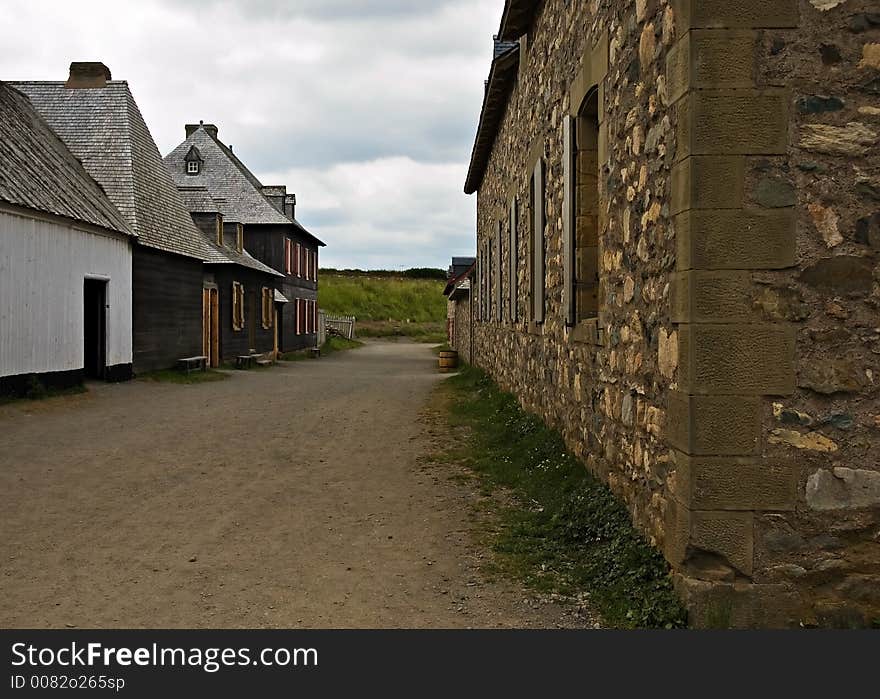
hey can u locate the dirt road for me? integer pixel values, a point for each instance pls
(296, 496)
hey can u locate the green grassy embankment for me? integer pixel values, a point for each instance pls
(388, 304)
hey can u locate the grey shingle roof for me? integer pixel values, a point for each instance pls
(223, 178)
(228, 180)
(198, 200)
(38, 171)
(104, 128)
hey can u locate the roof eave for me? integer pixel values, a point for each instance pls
(517, 18)
(491, 114)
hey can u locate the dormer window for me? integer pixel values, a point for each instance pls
(239, 238)
(193, 161)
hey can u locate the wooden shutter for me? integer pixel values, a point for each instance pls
(538, 272)
(568, 172)
(513, 253)
(499, 275)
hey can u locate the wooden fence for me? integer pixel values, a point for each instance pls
(335, 325)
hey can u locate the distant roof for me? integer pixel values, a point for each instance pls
(461, 280)
(104, 128)
(37, 171)
(226, 178)
(498, 88)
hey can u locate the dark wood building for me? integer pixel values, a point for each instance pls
(99, 120)
(241, 304)
(272, 234)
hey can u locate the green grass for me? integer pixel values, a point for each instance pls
(565, 531)
(174, 376)
(339, 344)
(395, 299)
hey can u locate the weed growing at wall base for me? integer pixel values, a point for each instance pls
(567, 533)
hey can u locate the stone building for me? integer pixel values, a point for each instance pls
(459, 306)
(678, 225)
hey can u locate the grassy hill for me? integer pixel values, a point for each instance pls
(387, 303)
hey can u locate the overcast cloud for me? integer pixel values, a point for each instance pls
(366, 110)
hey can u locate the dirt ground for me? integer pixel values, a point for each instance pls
(294, 497)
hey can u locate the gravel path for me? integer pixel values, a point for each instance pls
(297, 496)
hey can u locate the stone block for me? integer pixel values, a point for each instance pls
(690, 533)
(735, 483)
(735, 239)
(843, 489)
(700, 296)
(711, 59)
(733, 122)
(708, 182)
(740, 605)
(757, 359)
(734, 14)
(714, 425)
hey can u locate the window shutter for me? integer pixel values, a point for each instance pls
(513, 253)
(538, 242)
(568, 152)
(499, 276)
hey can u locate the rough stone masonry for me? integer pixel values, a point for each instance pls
(727, 387)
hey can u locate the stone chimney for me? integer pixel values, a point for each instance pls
(192, 128)
(290, 206)
(84, 74)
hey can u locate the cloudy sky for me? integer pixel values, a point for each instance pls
(366, 109)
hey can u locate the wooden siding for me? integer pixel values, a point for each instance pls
(167, 308)
(238, 342)
(43, 265)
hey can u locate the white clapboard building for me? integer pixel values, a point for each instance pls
(65, 262)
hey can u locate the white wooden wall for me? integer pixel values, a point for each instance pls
(43, 265)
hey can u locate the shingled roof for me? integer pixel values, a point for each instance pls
(197, 200)
(37, 171)
(227, 179)
(498, 88)
(103, 127)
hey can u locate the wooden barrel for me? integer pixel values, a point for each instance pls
(448, 360)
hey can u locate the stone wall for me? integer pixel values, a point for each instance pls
(463, 324)
(728, 389)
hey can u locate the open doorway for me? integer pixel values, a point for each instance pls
(95, 328)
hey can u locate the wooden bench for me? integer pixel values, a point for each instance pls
(191, 364)
(246, 361)
(315, 352)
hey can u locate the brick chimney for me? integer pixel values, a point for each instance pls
(85, 74)
(192, 128)
(290, 206)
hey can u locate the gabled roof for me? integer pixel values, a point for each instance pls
(498, 88)
(37, 171)
(229, 181)
(193, 155)
(103, 127)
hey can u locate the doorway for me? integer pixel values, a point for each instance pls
(211, 326)
(95, 328)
